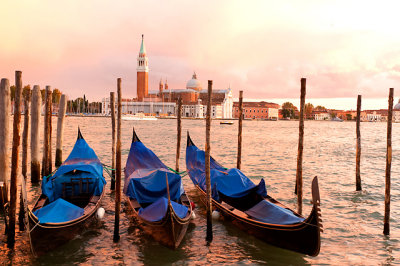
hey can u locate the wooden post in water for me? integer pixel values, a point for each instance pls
(112, 104)
(25, 133)
(299, 172)
(239, 152)
(386, 222)
(118, 168)
(14, 159)
(209, 236)
(46, 163)
(358, 148)
(50, 128)
(4, 138)
(35, 135)
(25, 137)
(179, 133)
(60, 129)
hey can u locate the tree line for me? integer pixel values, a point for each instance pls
(79, 105)
(289, 110)
(82, 105)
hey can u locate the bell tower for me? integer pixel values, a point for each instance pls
(142, 73)
(160, 88)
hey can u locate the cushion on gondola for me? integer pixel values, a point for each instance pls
(268, 212)
(58, 211)
(151, 187)
(157, 210)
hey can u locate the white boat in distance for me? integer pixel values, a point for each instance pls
(138, 116)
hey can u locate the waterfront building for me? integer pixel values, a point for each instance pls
(130, 106)
(321, 115)
(163, 101)
(257, 110)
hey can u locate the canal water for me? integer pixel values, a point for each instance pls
(353, 221)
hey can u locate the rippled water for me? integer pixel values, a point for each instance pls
(353, 221)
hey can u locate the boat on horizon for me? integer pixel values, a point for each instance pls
(226, 122)
(250, 208)
(337, 119)
(138, 116)
(70, 198)
(156, 196)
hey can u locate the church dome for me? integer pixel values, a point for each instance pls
(194, 83)
(397, 106)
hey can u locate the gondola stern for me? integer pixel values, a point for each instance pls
(79, 134)
(189, 140)
(135, 138)
(317, 214)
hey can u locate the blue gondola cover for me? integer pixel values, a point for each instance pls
(268, 212)
(145, 181)
(235, 184)
(231, 182)
(157, 210)
(81, 163)
(58, 211)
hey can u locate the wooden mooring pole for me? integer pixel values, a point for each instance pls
(62, 108)
(118, 166)
(25, 133)
(239, 151)
(386, 222)
(112, 105)
(46, 162)
(299, 172)
(4, 138)
(14, 158)
(209, 236)
(179, 133)
(35, 133)
(358, 148)
(25, 136)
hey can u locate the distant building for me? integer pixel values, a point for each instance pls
(321, 115)
(163, 101)
(257, 110)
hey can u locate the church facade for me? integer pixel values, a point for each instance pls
(163, 101)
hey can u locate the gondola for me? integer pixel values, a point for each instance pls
(249, 207)
(156, 196)
(70, 197)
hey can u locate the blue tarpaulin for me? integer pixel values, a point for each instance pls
(145, 181)
(150, 187)
(81, 163)
(58, 211)
(232, 182)
(157, 210)
(268, 212)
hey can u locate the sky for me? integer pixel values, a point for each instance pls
(342, 48)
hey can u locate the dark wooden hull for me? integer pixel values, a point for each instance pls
(169, 231)
(48, 236)
(301, 237)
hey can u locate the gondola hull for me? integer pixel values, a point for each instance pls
(169, 231)
(301, 237)
(48, 236)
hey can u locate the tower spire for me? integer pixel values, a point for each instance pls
(142, 51)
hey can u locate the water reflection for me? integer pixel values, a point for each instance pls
(353, 221)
